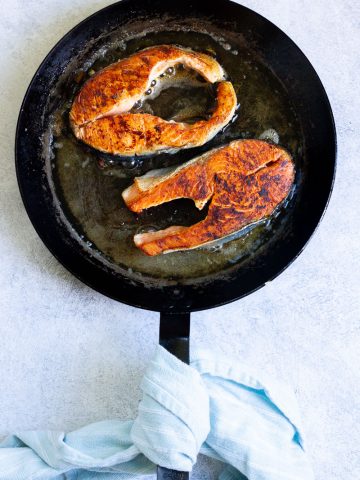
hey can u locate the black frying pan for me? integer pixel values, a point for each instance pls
(175, 297)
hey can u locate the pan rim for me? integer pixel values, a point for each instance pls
(132, 301)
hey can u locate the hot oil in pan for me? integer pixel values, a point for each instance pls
(90, 184)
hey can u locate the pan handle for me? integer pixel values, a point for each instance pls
(174, 334)
(175, 338)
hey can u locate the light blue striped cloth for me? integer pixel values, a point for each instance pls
(215, 406)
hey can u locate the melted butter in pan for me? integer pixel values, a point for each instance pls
(89, 184)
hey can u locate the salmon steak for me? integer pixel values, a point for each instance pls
(244, 181)
(100, 114)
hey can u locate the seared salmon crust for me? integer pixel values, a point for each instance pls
(100, 114)
(245, 181)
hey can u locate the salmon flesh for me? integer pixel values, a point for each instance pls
(100, 114)
(245, 181)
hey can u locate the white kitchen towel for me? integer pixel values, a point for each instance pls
(215, 406)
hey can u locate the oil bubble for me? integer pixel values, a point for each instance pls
(101, 163)
(129, 163)
(215, 248)
(146, 229)
(271, 135)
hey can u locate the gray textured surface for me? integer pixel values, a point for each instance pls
(70, 356)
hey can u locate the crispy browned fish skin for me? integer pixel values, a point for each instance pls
(140, 134)
(245, 180)
(100, 113)
(116, 88)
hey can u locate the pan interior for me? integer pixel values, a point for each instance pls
(87, 185)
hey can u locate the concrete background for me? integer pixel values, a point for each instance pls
(70, 356)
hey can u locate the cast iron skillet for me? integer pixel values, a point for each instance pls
(175, 300)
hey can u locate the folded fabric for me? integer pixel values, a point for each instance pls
(214, 406)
